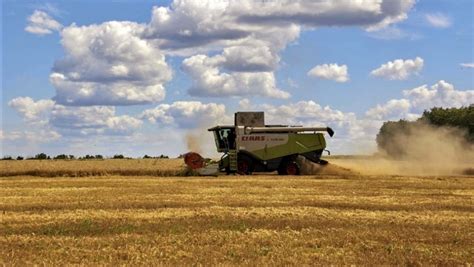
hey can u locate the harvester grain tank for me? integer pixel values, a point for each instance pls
(251, 146)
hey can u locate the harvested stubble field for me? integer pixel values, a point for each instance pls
(253, 220)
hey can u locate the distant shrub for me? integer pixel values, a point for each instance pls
(159, 157)
(41, 156)
(7, 158)
(64, 156)
(87, 157)
(118, 156)
(61, 156)
(19, 158)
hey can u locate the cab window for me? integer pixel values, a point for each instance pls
(225, 138)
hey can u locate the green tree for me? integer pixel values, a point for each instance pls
(462, 118)
(41, 156)
(388, 132)
(61, 156)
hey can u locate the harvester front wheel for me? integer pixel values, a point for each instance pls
(244, 166)
(289, 168)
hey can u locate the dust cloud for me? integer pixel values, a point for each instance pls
(307, 167)
(201, 141)
(426, 150)
(193, 142)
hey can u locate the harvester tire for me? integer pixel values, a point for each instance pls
(289, 168)
(244, 165)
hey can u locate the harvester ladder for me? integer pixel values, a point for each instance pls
(232, 160)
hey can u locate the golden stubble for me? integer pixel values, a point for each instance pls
(262, 219)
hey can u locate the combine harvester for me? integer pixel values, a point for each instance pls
(251, 146)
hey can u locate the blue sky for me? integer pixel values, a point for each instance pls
(160, 79)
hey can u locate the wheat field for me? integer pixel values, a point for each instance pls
(251, 220)
(95, 167)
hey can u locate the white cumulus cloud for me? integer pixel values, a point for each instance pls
(68, 120)
(92, 120)
(32, 111)
(40, 23)
(209, 80)
(303, 110)
(438, 20)
(333, 72)
(187, 114)
(33, 136)
(250, 58)
(189, 23)
(441, 94)
(392, 110)
(467, 65)
(109, 64)
(399, 69)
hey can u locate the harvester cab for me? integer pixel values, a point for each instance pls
(224, 137)
(251, 146)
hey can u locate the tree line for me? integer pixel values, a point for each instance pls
(44, 156)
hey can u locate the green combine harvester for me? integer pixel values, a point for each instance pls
(251, 146)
